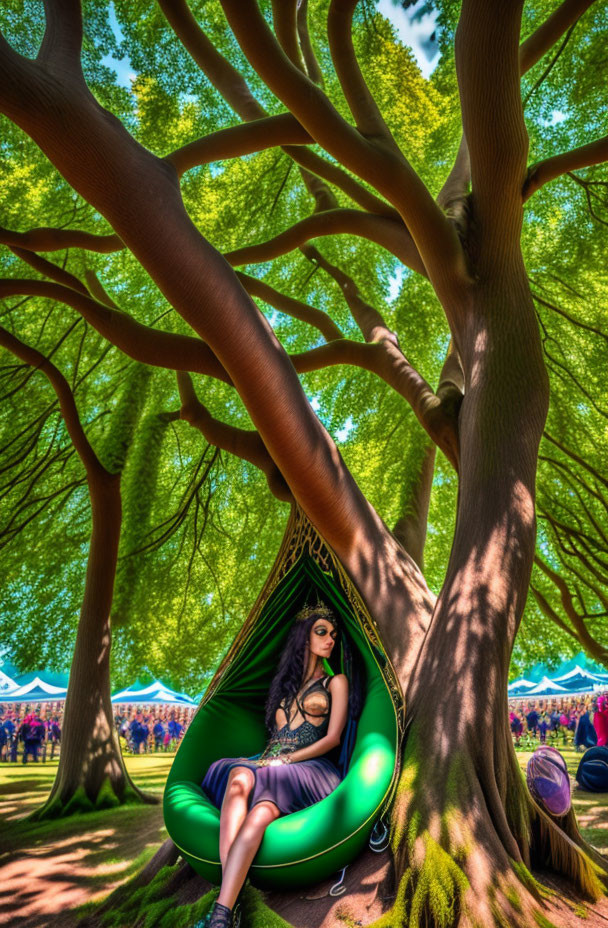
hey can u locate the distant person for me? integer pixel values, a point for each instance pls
(54, 735)
(600, 721)
(32, 735)
(175, 730)
(159, 733)
(532, 721)
(585, 735)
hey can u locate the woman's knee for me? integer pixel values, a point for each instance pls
(240, 780)
(259, 817)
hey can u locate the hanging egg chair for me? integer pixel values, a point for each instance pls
(312, 844)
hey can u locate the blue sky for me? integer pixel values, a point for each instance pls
(412, 32)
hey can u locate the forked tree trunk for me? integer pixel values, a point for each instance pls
(91, 772)
(466, 829)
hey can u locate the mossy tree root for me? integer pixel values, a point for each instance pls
(453, 866)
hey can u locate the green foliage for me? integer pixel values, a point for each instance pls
(204, 547)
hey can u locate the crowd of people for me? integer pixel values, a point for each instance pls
(39, 735)
(33, 733)
(144, 731)
(580, 720)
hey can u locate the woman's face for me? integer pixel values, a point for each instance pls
(322, 638)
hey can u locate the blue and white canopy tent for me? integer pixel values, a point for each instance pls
(580, 680)
(156, 693)
(35, 691)
(547, 687)
(520, 687)
(577, 675)
(7, 684)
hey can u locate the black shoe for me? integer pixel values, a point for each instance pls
(220, 917)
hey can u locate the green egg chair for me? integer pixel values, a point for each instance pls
(312, 844)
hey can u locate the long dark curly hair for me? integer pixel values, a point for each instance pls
(289, 677)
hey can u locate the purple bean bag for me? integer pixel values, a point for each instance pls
(548, 780)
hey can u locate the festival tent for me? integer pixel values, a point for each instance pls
(520, 687)
(46, 676)
(547, 687)
(37, 690)
(7, 684)
(155, 693)
(579, 680)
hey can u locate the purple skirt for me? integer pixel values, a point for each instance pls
(290, 786)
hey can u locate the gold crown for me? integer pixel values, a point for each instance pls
(323, 611)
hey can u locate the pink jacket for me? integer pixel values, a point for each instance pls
(600, 721)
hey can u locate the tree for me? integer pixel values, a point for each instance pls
(465, 830)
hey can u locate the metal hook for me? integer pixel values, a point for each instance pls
(379, 840)
(338, 888)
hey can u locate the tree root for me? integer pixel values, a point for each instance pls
(79, 801)
(452, 867)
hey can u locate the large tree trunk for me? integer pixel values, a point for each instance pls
(466, 829)
(91, 772)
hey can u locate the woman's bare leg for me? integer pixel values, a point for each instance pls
(243, 850)
(241, 781)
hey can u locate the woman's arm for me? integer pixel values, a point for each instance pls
(338, 686)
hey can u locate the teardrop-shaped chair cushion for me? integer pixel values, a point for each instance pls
(314, 843)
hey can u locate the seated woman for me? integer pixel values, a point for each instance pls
(306, 713)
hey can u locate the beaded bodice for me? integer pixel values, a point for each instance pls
(313, 701)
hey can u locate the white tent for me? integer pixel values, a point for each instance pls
(7, 684)
(578, 675)
(156, 693)
(522, 686)
(36, 690)
(546, 687)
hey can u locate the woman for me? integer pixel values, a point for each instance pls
(306, 713)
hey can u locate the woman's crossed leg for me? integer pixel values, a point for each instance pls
(241, 832)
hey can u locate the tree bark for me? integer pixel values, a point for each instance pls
(91, 772)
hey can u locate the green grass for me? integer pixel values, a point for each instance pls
(96, 851)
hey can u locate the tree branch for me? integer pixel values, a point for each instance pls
(284, 20)
(58, 274)
(290, 306)
(49, 239)
(487, 65)
(235, 141)
(310, 59)
(545, 37)
(62, 42)
(366, 113)
(245, 444)
(390, 235)
(389, 173)
(67, 404)
(160, 349)
(547, 170)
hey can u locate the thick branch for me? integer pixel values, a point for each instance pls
(487, 64)
(51, 270)
(366, 113)
(284, 20)
(49, 239)
(438, 414)
(310, 59)
(161, 349)
(544, 171)
(545, 37)
(65, 396)
(248, 137)
(243, 443)
(530, 52)
(60, 49)
(389, 173)
(290, 306)
(390, 235)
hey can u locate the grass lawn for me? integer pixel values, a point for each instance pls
(49, 870)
